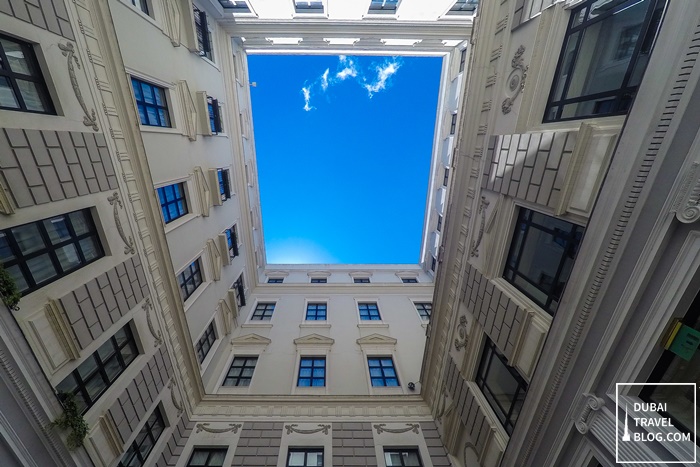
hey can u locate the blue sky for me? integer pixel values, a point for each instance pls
(343, 146)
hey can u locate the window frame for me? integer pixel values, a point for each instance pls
(453, 124)
(203, 33)
(438, 227)
(446, 176)
(463, 7)
(427, 310)
(462, 59)
(141, 103)
(314, 306)
(36, 76)
(624, 90)
(223, 176)
(209, 451)
(206, 341)
(369, 313)
(275, 280)
(383, 377)
(215, 121)
(379, 7)
(400, 451)
(319, 280)
(360, 280)
(239, 288)
(488, 352)
(99, 370)
(189, 273)
(142, 6)
(165, 203)
(48, 248)
(315, 450)
(232, 241)
(313, 359)
(260, 312)
(307, 8)
(135, 446)
(409, 280)
(240, 376)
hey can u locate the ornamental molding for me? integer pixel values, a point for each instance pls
(462, 341)
(61, 327)
(232, 428)
(516, 80)
(68, 50)
(178, 405)
(250, 339)
(128, 240)
(376, 339)
(687, 203)
(413, 427)
(314, 339)
(321, 429)
(6, 206)
(157, 335)
(482, 211)
(591, 404)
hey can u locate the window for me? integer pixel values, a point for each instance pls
(606, 50)
(207, 457)
(402, 457)
(316, 311)
(312, 372)
(173, 202)
(190, 279)
(502, 385)
(205, 342)
(151, 103)
(41, 252)
(203, 34)
(424, 310)
(439, 223)
(147, 438)
(100, 370)
(541, 257)
(462, 60)
(239, 288)
(409, 280)
(141, 5)
(222, 176)
(22, 87)
(319, 280)
(463, 7)
(432, 264)
(305, 457)
(232, 241)
(453, 124)
(361, 280)
(302, 6)
(383, 6)
(241, 371)
(275, 280)
(446, 177)
(214, 115)
(369, 312)
(263, 312)
(238, 6)
(382, 372)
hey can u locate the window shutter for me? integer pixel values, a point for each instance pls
(217, 115)
(206, 46)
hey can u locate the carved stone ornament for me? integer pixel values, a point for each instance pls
(68, 50)
(176, 403)
(321, 429)
(414, 427)
(232, 427)
(157, 335)
(592, 403)
(128, 241)
(516, 80)
(687, 204)
(462, 341)
(482, 211)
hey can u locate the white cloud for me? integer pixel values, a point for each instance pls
(307, 98)
(342, 58)
(324, 79)
(349, 70)
(383, 74)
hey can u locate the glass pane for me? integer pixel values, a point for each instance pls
(314, 459)
(106, 351)
(68, 257)
(410, 458)
(87, 368)
(28, 238)
(296, 459)
(377, 382)
(17, 275)
(31, 95)
(164, 117)
(152, 113)
(147, 93)
(128, 354)
(142, 115)
(5, 252)
(569, 54)
(95, 386)
(305, 372)
(137, 89)
(501, 384)
(121, 336)
(160, 96)
(7, 94)
(392, 459)
(79, 222)
(57, 229)
(113, 369)
(89, 247)
(15, 57)
(217, 458)
(41, 268)
(375, 372)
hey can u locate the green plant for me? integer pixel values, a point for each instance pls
(8, 290)
(72, 419)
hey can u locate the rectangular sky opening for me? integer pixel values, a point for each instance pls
(343, 147)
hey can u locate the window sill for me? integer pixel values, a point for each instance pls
(310, 391)
(169, 227)
(386, 390)
(210, 62)
(375, 324)
(193, 298)
(233, 390)
(140, 13)
(317, 325)
(159, 129)
(257, 325)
